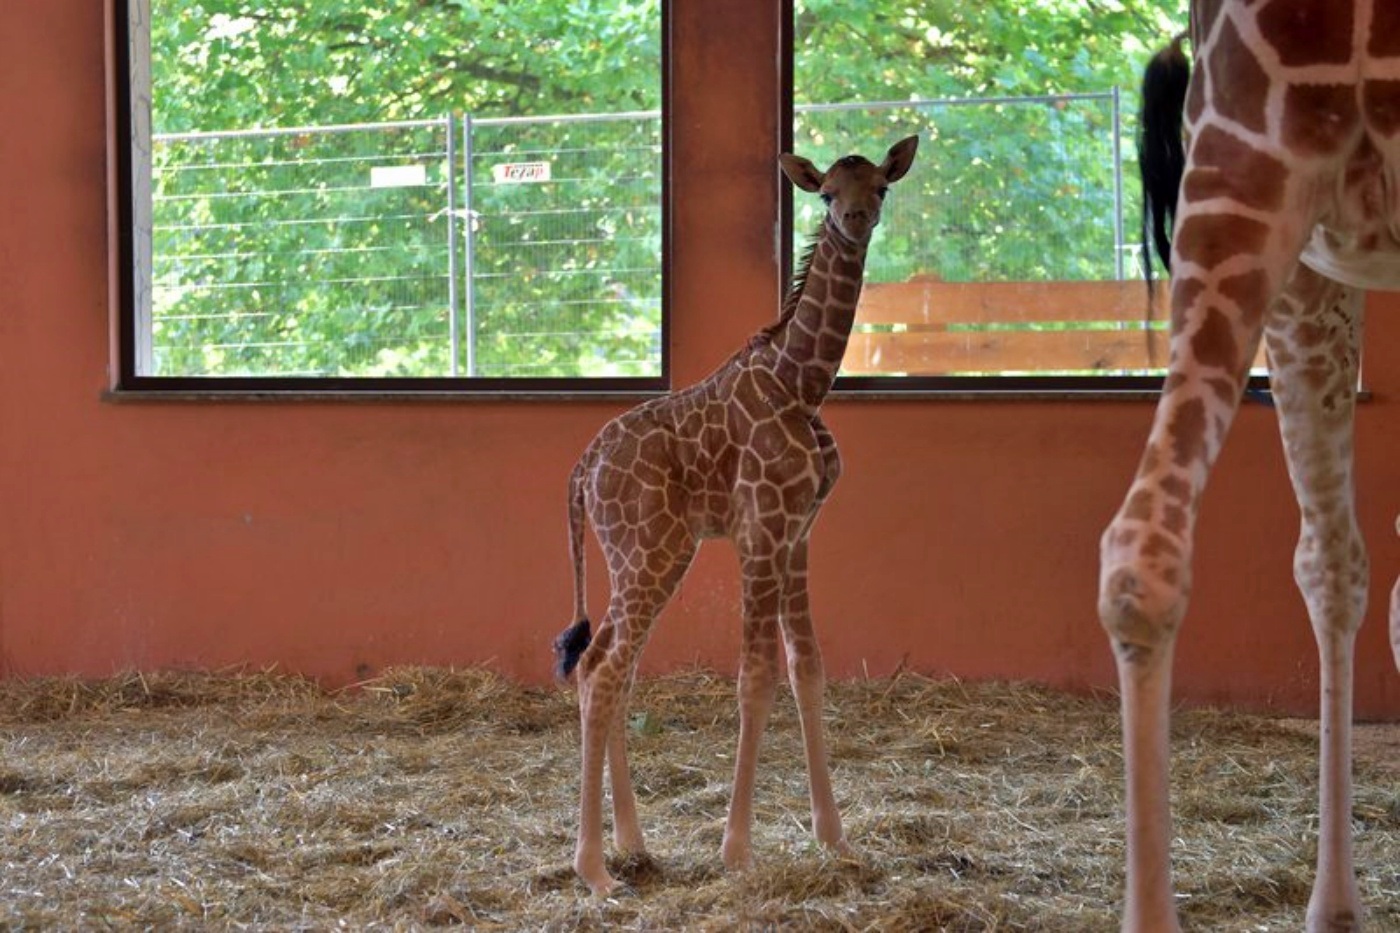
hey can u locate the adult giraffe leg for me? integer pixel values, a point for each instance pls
(808, 680)
(1312, 339)
(1226, 270)
(1395, 616)
(758, 678)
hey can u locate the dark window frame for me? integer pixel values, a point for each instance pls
(128, 383)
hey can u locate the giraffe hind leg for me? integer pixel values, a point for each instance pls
(1395, 616)
(601, 674)
(605, 675)
(1313, 340)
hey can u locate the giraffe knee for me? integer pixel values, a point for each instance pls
(758, 671)
(804, 655)
(1141, 597)
(1334, 580)
(1138, 622)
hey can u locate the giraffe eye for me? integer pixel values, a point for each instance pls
(882, 191)
(827, 199)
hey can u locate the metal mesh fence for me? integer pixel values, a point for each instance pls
(321, 252)
(524, 248)
(531, 247)
(565, 247)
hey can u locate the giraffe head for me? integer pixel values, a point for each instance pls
(854, 187)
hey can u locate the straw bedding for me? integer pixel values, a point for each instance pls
(434, 798)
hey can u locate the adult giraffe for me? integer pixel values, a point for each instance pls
(1292, 153)
(743, 455)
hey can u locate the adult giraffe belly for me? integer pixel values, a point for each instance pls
(1357, 241)
(1369, 260)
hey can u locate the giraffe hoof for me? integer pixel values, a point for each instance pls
(843, 849)
(604, 886)
(594, 873)
(630, 845)
(1338, 920)
(737, 857)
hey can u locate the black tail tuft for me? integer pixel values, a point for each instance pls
(1161, 149)
(570, 646)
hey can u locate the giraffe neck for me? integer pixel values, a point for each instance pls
(810, 338)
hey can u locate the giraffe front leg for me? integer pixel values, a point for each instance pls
(1141, 603)
(1145, 570)
(758, 676)
(1144, 588)
(808, 680)
(1313, 340)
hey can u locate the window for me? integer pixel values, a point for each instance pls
(1009, 258)
(436, 195)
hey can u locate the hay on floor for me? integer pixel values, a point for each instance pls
(431, 797)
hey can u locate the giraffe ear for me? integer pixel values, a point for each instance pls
(900, 157)
(801, 172)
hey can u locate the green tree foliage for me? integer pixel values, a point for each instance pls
(234, 64)
(995, 48)
(1003, 190)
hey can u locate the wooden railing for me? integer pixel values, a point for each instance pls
(928, 327)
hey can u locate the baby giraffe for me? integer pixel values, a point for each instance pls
(743, 455)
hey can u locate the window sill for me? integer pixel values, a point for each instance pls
(365, 396)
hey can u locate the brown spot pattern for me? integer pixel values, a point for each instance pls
(1210, 239)
(1380, 100)
(1318, 119)
(1306, 32)
(1227, 167)
(1249, 292)
(1176, 488)
(1213, 343)
(1238, 83)
(1385, 30)
(1188, 432)
(1159, 545)
(1139, 506)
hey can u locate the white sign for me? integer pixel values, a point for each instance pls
(516, 173)
(398, 176)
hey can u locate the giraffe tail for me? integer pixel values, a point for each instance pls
(1161, 150)
(574, 640)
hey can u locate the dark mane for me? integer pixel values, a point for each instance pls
(799, 282)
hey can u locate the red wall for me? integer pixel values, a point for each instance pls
(334, 538)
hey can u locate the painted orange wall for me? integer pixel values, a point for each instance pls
(333, 539)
